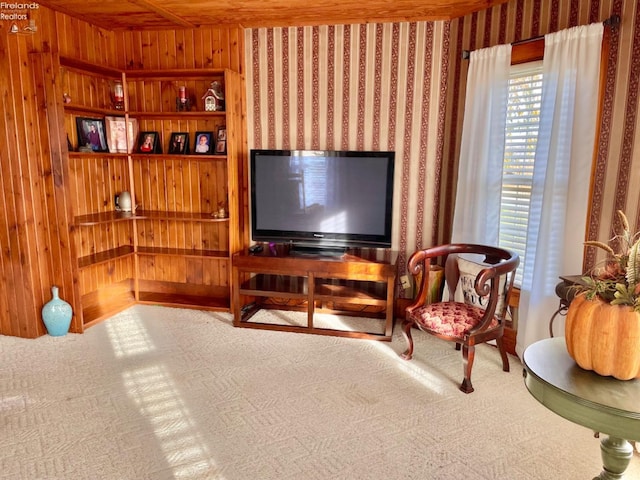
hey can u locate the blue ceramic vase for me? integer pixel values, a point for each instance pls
(56, 315)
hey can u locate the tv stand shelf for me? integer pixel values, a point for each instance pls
(354, 284)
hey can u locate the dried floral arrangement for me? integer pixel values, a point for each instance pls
(618, 282)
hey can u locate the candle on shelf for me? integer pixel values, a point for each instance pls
(183, 104)
(118, 96)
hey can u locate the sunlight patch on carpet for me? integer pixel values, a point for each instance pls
(128, 337)
(412, 369)
(157, 398)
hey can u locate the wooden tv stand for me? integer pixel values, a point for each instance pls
(353, 284)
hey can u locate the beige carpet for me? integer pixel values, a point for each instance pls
(160, 393)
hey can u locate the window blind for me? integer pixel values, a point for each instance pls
(521, 135)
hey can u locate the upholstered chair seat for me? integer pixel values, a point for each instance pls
(452, 319)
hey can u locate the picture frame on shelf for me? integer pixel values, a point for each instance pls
(117, 134)
(202, 144)
(149, 142)
(221, 141)
(179, 143)
(91, 134)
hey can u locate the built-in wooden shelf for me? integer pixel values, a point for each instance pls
(97, 155)
(177, 216)
(106, 256)
(172, 74)
(182, 252)
(102, 217)
(88, 68)
(107, 301)
(83, 109)
(186, 301)
(174, 156)
(151, 252)
(101, 311)
(115, 216)
(126, 250)
(172, 115)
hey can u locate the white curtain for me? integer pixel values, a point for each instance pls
(564, 153)
(477, 213)
(560, 195)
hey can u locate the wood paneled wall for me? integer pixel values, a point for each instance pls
(197, 48)
(34, 209)
(77, 39)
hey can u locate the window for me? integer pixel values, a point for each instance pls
(521, 135)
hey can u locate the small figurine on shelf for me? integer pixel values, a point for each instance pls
(183, 102)
(214, 98)
(221, 212)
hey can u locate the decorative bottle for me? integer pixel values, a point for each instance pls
(118, 95)
(56, 315)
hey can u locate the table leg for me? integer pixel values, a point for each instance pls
(616, 455)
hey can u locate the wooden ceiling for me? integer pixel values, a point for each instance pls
(153, 14)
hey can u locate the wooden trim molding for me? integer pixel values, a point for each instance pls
(530, 51)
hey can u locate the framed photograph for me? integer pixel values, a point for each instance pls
(221, 141)
(203, 143)
(117, 134)
(179, 143)
(149, 142)
(91, 134)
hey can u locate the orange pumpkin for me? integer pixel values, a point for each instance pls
(604, 338)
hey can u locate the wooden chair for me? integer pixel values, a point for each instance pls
(475, 312)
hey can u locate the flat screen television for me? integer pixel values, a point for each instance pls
(322, 200)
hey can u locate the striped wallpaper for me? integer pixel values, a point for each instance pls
(401, 86)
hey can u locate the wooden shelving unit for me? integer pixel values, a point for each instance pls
(176, 115)
(353, 285)
(173, 248)
(182, 252)
(105, 256)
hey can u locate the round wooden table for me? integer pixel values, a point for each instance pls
(603, 404)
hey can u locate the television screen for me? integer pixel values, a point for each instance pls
(322, 198)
